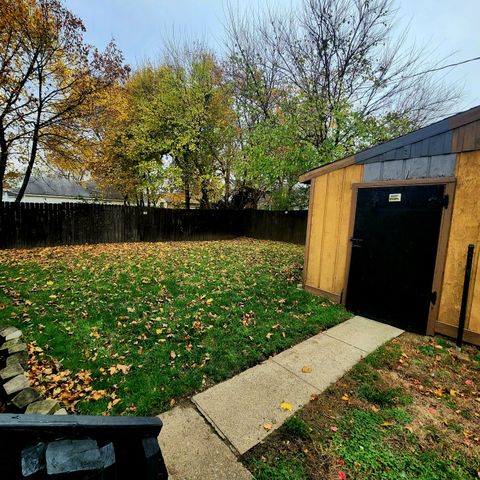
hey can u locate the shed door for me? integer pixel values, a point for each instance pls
(394, 248)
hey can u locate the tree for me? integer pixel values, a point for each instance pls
(48, 77)
(331, 77)
(179, 122)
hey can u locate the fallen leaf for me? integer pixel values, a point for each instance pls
(345, 397)
(387, 424)
(98, 394)
(341, 475)
(333, 429)
(267, 426)
(286, 406)
(306, 370)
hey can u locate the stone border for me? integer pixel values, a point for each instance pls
(15, 389)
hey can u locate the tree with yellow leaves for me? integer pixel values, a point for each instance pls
(48, 76)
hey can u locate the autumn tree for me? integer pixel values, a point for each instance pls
(48, 76)
(177, 130)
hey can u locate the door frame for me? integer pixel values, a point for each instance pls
(443, 237)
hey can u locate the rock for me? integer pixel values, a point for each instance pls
(10, 333)
(26, 397)
(20, 357)
(16, 384)
(11, 371)
(43, 407)
(107, 453)
(150, 446)
(33, 459)
(68, 456)
(62, 411)
(9, 343)
(19, 347)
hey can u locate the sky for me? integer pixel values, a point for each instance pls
(447, 28)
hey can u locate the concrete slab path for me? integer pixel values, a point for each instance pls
(192, 450)
(239, 408)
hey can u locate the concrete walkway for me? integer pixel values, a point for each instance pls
(240, 408)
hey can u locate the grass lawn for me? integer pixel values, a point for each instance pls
(131, 328)
(410, 410)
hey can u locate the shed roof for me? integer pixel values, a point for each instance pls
(449, 135)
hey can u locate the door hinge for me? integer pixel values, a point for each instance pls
(446, 201)
(433, 298)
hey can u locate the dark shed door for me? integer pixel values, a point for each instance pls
(394, 248)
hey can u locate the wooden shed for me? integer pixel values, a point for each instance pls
(389, 228)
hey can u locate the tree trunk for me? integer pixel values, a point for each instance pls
(227, 186)
(3, 163)
(187, 196)
(204, 201)
(31, 161)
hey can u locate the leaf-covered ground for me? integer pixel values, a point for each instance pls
(131, 328)
(410, 410)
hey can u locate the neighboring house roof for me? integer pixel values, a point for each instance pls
(440, 138)
(65, 187)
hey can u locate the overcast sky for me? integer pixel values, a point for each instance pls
(138, 26)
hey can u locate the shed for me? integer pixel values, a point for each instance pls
(388, 228)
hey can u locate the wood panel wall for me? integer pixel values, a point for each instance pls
(328, 227)
(465, 229)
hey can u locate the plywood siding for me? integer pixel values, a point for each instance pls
(465, 229)
(330, 213)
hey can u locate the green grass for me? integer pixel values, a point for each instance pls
(367, 449)
(290, 469)
(297, 427)
(178, 316)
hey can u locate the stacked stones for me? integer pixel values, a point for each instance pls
(15, 389)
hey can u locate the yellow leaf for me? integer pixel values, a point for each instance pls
(123, 368)
(345, 398)
(387, 424)
(97, 394)
(286, 406)
(158, 331)
(268, 335)
(306, 370)
(130, 309)
(267, 426)
(209, 300)
(453, 392)
(49, 283)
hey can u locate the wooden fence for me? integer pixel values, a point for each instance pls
(41, 224)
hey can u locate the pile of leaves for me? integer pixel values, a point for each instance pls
(49, 376)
